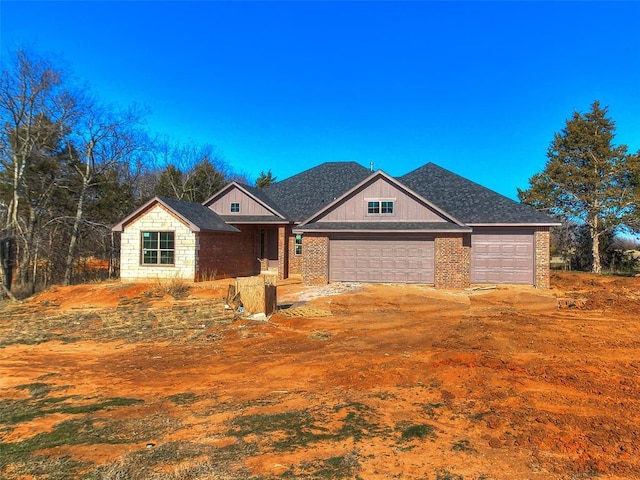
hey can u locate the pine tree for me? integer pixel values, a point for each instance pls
(587, 178)
(265, 179)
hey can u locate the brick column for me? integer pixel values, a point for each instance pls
(453, 261)
(543, 259)
(295, 261)
(283, 253)
(315, 260)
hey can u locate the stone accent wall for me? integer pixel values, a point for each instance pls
(157, 219)
(223, 255)
(543, 258)
(315, 260)
(453, 261)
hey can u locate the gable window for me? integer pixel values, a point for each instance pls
(298, 245)
(380, 207)
(158, 248)
(386, 207)
(235, 207)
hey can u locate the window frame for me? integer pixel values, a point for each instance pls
(378, 207)
(160, 253)
(234, 204)
(297, 245)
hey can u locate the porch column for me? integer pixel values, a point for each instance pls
(283, 253)
(542, 259)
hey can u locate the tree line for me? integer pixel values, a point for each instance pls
(71, 166)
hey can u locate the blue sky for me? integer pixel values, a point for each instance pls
(477, 87)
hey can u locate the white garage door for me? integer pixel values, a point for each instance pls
(502, 257)
(381, 260)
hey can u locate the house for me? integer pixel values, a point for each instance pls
(340, 221)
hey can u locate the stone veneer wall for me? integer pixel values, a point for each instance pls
(315, 260)
(453, 261)
(543, 259)
(157, 220)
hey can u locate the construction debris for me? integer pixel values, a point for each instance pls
(567, 302)
(253, 295)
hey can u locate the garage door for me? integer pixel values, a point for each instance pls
(381, 260)
(502, 258)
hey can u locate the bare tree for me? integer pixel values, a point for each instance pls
(190, 172)
(103, 139)
(36, 111)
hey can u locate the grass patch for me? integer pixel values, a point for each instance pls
(356, 423)
(186, 398)
(18, 411)
(69, 432)
(462, 446)
(42, 467)
(178, 289)
(430, 408)
(94, 407)
(20, 455)
(339, 467)
(22, 459)
(176, 461)
(447, 475)
(288, 431)
(420, 431)
(37, 389)
(296, 428)
(476, 417)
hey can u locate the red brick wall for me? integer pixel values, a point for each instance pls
(453, 261)
(315, 260)
(222, 255)
(295, 261)
(283, 253)
(543, 258)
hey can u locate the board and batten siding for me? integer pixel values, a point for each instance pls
(248, 206)
(405, 207)
(157, 220)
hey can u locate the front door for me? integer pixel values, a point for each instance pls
(269, 246)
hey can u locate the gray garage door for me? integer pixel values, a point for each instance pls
(502, 258)
(381, 260)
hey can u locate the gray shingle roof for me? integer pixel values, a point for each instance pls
(252, 219)
(466, 200)
(382, 226)
(200, 216)
(304, 194)
(260, 194)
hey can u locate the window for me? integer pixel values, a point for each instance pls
(235, 208)
(380, 207)
(386, 207)
(158, 248)
(298, 245)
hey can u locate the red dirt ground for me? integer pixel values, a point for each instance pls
(512, 386)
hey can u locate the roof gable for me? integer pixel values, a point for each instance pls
(196, 216)
(252, 201)
(468, 201)
(304, 194)
(408, 206)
